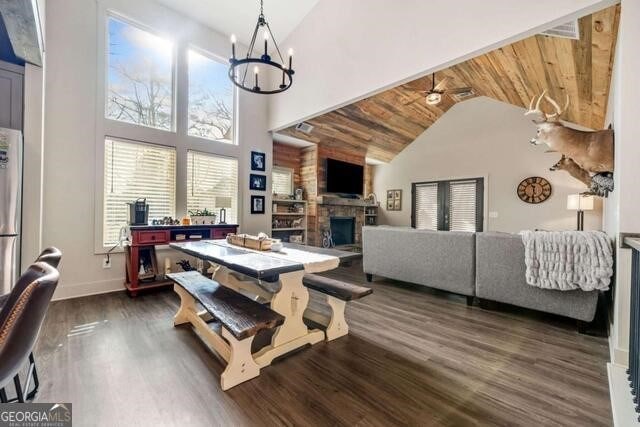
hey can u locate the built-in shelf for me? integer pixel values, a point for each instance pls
(282, 219)
(370, 214)
(289, 201)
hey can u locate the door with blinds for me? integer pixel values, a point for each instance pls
(450, 205)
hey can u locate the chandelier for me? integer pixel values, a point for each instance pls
(246, 72)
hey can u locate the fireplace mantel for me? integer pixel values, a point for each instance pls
(342, 201)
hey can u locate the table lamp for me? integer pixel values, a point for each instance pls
(223, 203)
(579, 203)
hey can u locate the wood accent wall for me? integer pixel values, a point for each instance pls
(288, 156)
(309, 182)
(382, 125)
(368, 179)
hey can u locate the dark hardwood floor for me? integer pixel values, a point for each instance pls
(413, 357)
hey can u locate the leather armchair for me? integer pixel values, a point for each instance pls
(21, 318)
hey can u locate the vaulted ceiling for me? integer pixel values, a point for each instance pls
(384, 124)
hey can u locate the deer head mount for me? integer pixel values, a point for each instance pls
(591, 151)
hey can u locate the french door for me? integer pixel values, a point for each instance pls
(449, 205)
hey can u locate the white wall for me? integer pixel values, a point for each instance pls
(349, 49)
(484, 138)
(623, 209)
(72, 126)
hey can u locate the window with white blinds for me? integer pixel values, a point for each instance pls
(282, 181)
(449, 205)
(134, 170)
(462, 206)
(212, 181)
(426, 206)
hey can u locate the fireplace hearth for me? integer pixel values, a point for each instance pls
(343, 230)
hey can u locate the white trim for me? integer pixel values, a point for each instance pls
(622, 407)
(77, 290)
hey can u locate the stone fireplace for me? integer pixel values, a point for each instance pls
(344, 217)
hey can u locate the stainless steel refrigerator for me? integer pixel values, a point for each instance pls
(10, 206)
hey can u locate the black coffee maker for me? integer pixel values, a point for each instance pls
(138, 212)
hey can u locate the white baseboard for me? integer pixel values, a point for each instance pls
(618, 356)
(622, 406)
(65, 291)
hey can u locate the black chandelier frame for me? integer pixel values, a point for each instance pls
(264, 59)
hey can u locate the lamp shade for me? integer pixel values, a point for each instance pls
(578, 202)
(223, 202)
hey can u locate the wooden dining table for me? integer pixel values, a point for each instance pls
(274, 277)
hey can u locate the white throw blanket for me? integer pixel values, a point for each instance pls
(567, 260)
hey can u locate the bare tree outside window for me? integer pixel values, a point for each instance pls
(140, 77)
(210, 99)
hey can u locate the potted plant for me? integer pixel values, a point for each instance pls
(202, 217)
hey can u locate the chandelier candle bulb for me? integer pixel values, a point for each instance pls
(233, 46)
(290, 58)
(266, 39)
(256, 70)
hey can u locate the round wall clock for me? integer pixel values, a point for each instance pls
(534, 190)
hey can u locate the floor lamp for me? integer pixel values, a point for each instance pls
(580, 203)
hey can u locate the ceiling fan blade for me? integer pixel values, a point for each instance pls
(442, 85)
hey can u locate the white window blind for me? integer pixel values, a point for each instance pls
(211, 179)
(135, 170)
(462, 206)
(426, 206)
(282, 181)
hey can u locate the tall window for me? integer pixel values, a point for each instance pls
(453, 205)
(212, 183)
(135, 170)
(210, 99)
(282, 180)
(139, 76)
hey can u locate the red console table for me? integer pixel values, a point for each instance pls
(147, 237)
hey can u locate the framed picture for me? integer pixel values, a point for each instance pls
(257, 204)
(394, 200)
(258, 161)
(257, 182)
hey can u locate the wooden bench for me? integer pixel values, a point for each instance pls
(240, 317)
(338, 293)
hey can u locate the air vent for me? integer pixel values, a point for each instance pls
(461, 96)
(569, 30)
(304, 127)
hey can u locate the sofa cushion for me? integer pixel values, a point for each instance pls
(438, 259)
(500, 276)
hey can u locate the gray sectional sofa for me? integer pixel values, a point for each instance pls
(487, 265)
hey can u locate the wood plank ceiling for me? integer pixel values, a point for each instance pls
(384, 124)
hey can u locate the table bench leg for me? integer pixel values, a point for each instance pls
(237, 353)
(336, 324)
(290, 301)
(241, 367)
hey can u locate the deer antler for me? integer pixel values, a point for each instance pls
(536, 110)
(559, 111)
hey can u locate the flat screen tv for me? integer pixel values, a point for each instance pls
(344, 178)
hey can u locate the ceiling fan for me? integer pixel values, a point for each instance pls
(434, 95)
